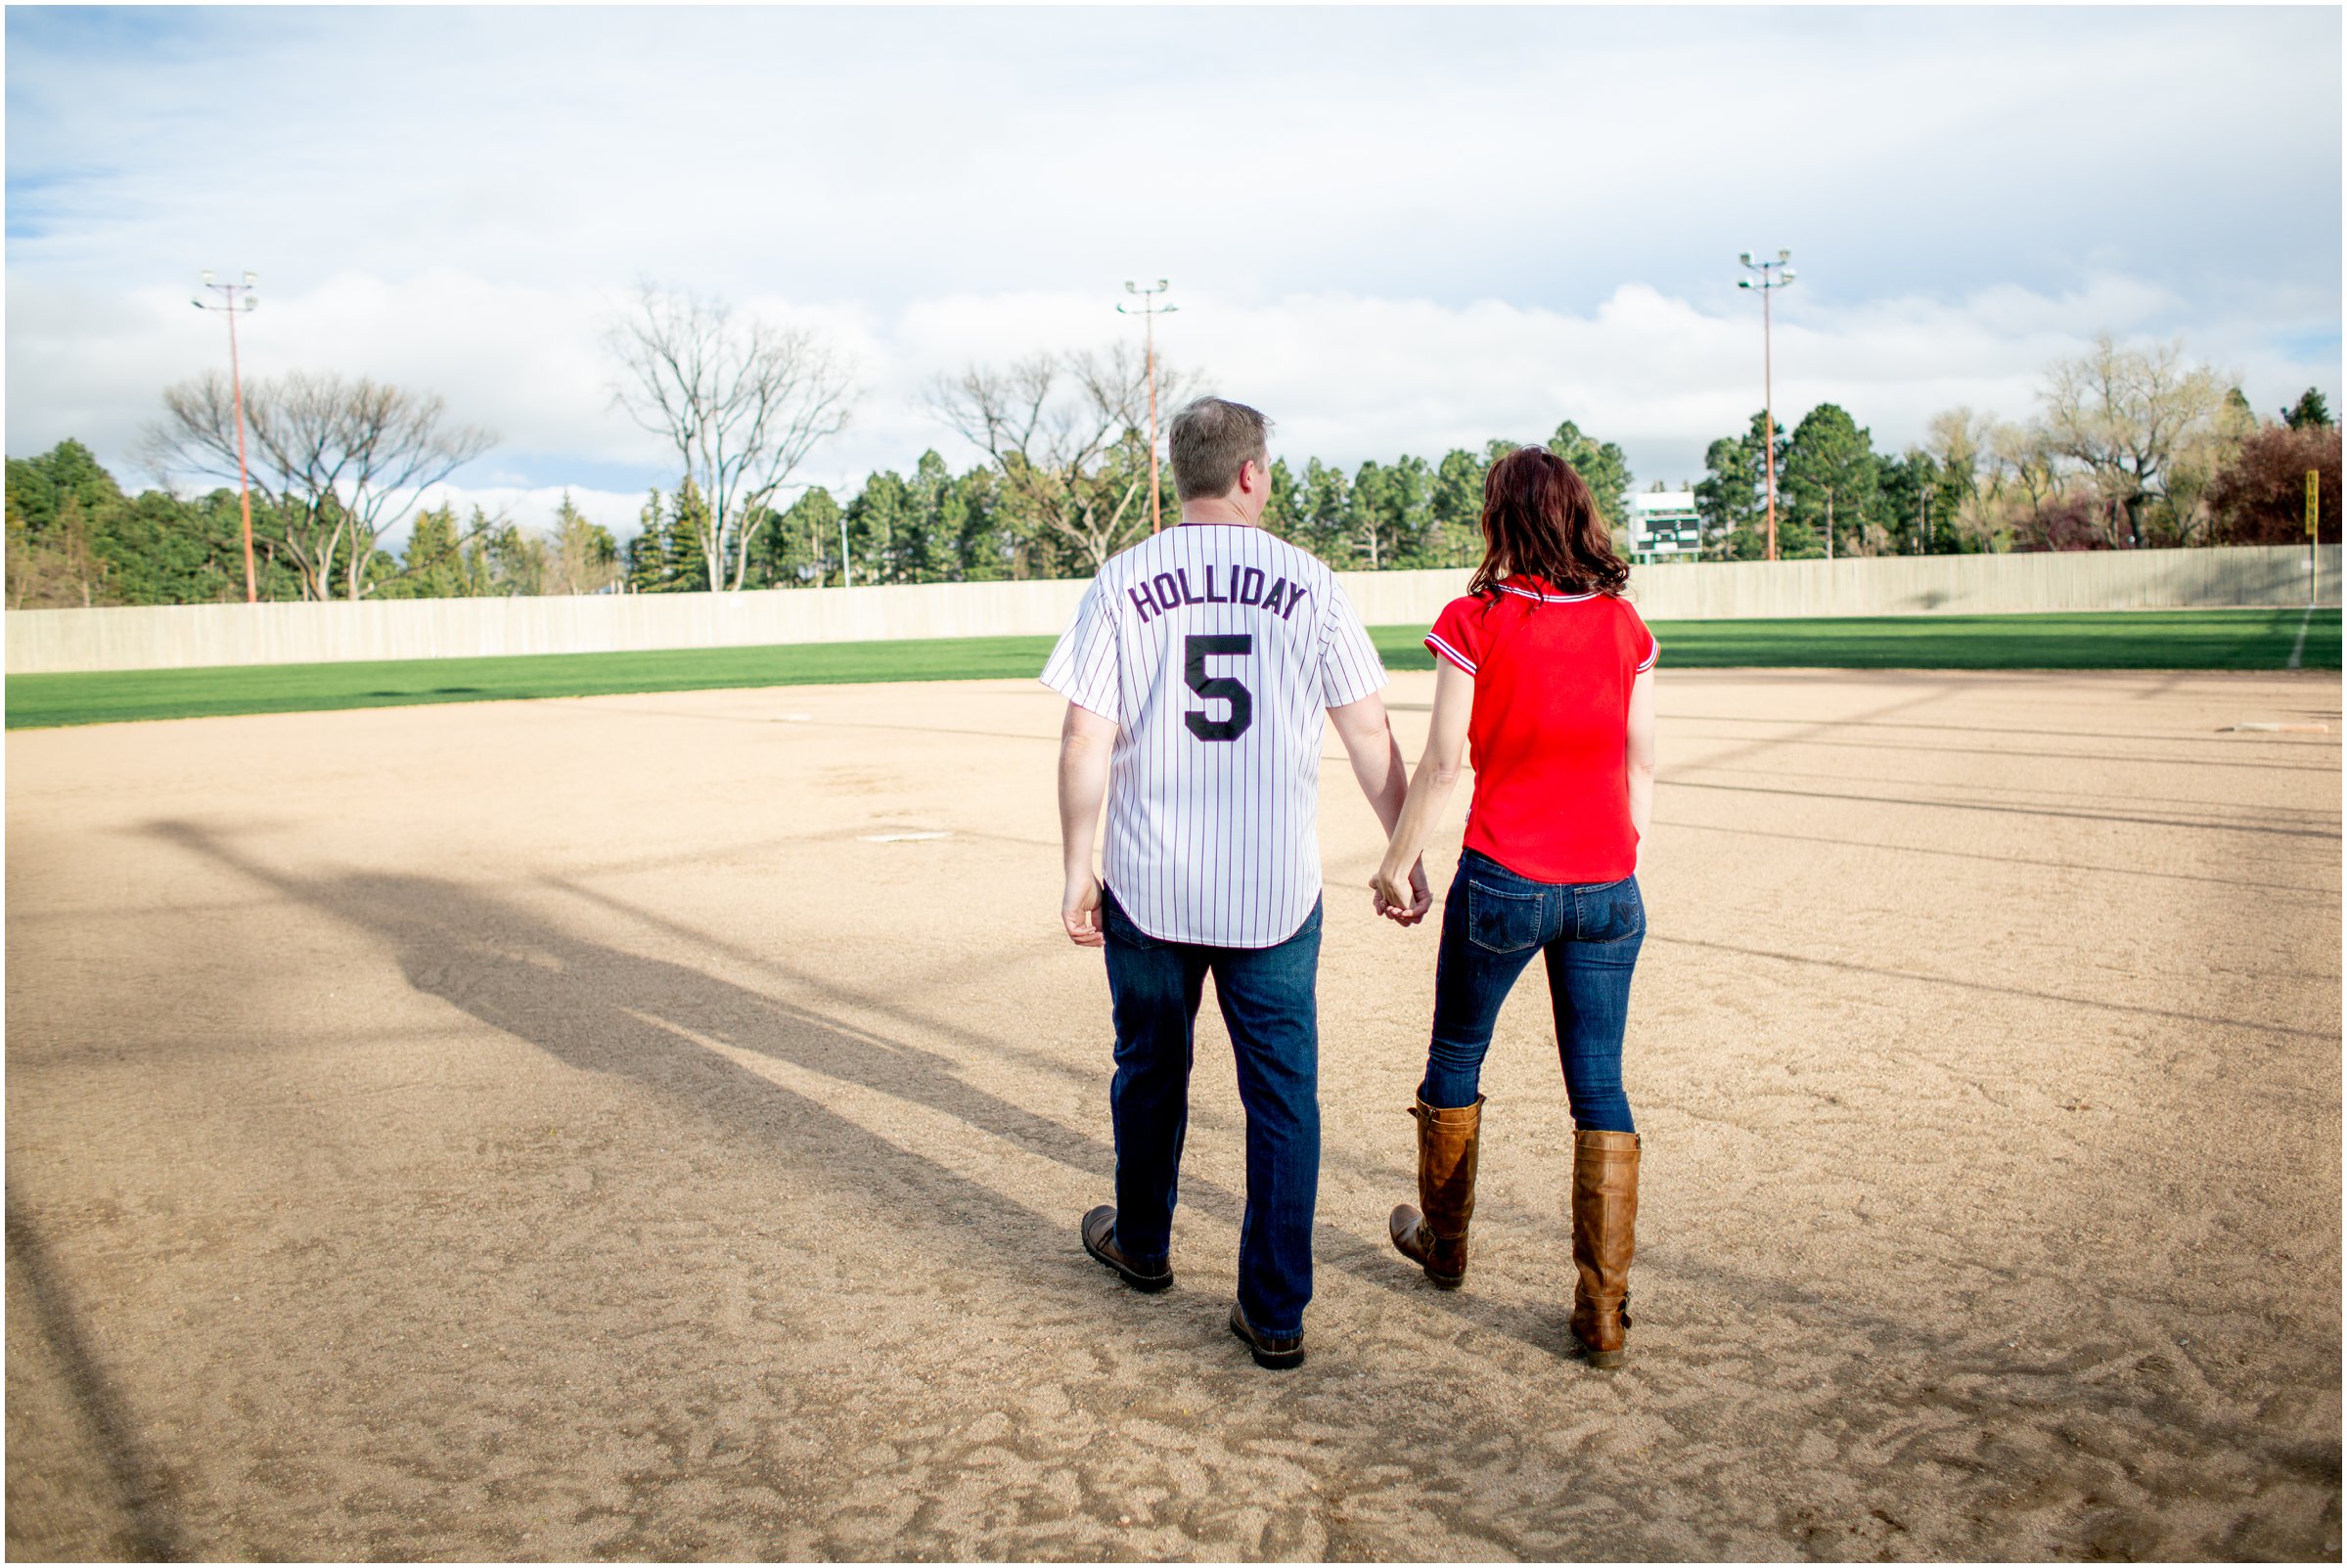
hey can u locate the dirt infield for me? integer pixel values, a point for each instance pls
(559, 1129)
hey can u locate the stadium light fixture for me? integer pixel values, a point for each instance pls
(1769, 277)
(1148, 312)
(235, 298)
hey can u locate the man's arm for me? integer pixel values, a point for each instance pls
(1377, 767)
(1086, 741)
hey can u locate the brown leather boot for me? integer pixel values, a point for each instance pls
(1436, 1240)
(1604, 1213)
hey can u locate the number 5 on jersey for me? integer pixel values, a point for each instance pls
(1196, 650)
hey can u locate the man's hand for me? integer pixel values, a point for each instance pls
(1404, 906)
(1086, 739)
(1080, 910)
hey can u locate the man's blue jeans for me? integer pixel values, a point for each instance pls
(1492, 923)
(1268, 1004)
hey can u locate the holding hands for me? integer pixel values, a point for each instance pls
(1404, 904)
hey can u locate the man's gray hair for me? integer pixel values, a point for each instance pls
(1210, 440)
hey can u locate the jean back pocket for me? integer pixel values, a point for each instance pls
(1502, 919)
(1609, 912)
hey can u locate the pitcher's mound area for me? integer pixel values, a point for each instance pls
(657, 1126)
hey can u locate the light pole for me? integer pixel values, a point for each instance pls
(1148, 313)
(235, 298)
(1774, 275)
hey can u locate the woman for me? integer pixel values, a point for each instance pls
(1549, 674)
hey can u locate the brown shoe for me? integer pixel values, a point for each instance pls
(1604, 1214)
(1436, 1240)
(1099, 1232)
(1277, 1353)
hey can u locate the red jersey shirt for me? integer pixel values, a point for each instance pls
(1549, 736)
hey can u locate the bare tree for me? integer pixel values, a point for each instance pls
(338, 461)
(2122, 414)
(2021, 459)
(2205, 451)
(1063, 429)
(1956, 439)
(742, 401)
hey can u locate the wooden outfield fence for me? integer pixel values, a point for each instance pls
(46, 641)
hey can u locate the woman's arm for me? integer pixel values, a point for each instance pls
(1640, 752)
(1429, 790)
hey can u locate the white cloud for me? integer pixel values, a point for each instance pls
(1396, 228)
(1346, 377)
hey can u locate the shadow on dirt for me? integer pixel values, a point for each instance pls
(603, 1010)
(147, 1532)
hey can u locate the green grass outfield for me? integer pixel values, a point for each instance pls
(2114, 639)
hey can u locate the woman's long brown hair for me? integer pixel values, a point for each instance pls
(1540, 521)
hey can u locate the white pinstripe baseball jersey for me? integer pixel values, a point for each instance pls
(1216, 649)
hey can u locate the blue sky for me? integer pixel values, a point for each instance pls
(1395, 229)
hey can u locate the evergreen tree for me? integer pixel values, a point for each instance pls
(1456, 506)
(1827, 456)
(1283, 513)
(1604, 469)
(986, 539)
(71, 526)
(927, 553)
(433, 566)
(688, 526)
(878, 519)
(809, 541)
(60, 568)
(1391, 513)
(1913, 515)
(38, 487)
(650, 568)
(1326, 509)
(582, 557)
(2311, 412)
(160, 550)
(516, 560)
(1731, 496)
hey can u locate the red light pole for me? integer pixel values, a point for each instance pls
(1768, 285)
(1148, 313)
(235, 298)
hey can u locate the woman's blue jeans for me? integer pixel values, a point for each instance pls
(1492, 923)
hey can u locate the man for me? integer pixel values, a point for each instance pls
(1196, 671)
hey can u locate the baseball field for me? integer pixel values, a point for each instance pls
(2103, 640)
(655, 1125)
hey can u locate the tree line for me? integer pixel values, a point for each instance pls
(2130, 448)
(989, 523)
(76, 539)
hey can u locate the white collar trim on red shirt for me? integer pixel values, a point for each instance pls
(1545, 598)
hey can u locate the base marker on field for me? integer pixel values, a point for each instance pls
(898, 838)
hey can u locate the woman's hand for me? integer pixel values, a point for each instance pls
(1404, 906)
(1437, 771)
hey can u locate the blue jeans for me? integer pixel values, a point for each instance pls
(1492, 923)
(1268, 1004)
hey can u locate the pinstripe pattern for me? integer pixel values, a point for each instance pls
(1212, 840)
